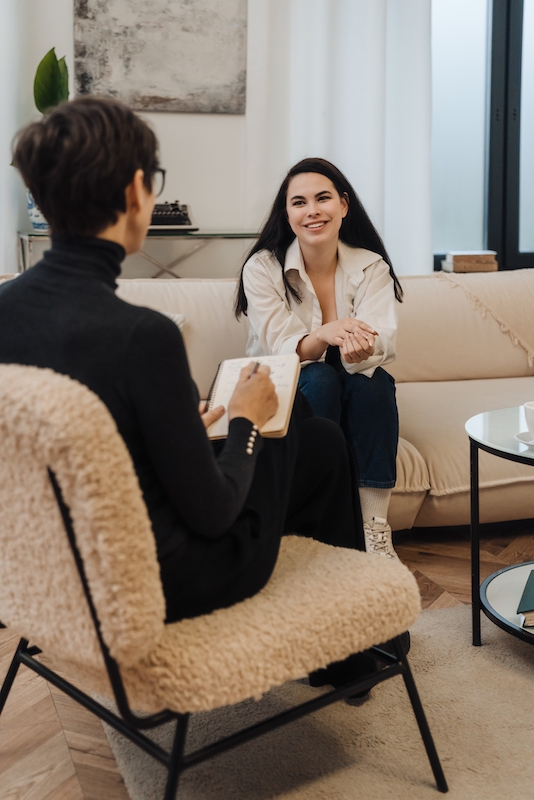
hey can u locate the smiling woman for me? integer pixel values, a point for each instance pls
(319, 282)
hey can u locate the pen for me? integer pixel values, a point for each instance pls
(254, 369)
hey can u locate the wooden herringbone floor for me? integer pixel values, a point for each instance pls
(51, 749)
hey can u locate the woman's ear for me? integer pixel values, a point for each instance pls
(344, 204)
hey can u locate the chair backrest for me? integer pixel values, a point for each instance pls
(51, 421)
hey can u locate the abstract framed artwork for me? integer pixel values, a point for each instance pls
(163, 55)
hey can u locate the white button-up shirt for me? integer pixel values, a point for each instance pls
(363, 287)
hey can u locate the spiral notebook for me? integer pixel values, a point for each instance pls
(285, 371)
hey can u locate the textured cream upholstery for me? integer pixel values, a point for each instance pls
(321, 604)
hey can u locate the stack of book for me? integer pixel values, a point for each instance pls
(470, 261)
(526, 604)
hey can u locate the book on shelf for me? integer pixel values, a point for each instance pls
(470, 261)
(526, 604)
(285, 371)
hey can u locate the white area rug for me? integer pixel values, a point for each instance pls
(478, 702)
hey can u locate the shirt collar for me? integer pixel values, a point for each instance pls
(294, 259)
(355, 259)
(88, 257)
(350, 259)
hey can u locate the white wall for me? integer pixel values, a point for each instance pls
(204, 155)
(9, 181)
(317, 78)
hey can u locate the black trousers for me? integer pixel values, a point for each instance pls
(304, 484)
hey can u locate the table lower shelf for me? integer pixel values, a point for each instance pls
(500, 594)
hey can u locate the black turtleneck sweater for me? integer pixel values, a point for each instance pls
(64, 314)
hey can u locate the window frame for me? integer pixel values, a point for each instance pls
(504, 137)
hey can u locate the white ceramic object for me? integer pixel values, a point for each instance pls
(529, 417)
(37, 220)
(526, 438)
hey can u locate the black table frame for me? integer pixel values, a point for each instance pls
(476, 589)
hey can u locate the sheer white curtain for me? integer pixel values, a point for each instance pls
(347, 80)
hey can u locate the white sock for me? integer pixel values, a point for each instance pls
(374, 502)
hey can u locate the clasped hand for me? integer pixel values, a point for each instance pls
(355, 339)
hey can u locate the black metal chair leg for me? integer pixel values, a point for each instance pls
(177, 756)
(11, 674)
(418, 710)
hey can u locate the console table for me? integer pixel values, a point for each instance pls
(194, 241)
(498, 597)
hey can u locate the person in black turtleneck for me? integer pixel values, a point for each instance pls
(217, 511)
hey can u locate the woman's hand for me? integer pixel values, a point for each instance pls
(356, 337)
(209, 417)
(254, 396)
(341, 330)
(357, 347)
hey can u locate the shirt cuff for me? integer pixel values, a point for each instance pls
(244, 437)
(290, 345)
(362, 368)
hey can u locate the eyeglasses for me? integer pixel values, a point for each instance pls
(158, 181)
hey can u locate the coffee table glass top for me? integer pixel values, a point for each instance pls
(501, 593)
(497, 429)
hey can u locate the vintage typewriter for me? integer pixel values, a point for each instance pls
(171, 218)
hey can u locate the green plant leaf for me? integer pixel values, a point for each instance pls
(50, 86)
(64, 87)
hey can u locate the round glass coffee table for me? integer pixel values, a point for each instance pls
(495, 433)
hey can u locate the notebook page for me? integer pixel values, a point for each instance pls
(283, 372)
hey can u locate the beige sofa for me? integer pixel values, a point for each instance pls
(463, 348)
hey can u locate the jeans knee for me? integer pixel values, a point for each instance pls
(320, 384)
(319, 377)
(379, 387)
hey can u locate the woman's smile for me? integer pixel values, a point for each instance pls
(314, 207)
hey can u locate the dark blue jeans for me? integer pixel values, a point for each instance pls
(365, 408)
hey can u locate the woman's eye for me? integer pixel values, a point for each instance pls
(324, 197)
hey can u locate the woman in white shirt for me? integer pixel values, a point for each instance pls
(319, 282)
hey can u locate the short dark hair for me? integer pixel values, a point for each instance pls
(356, 230)
(78, 160)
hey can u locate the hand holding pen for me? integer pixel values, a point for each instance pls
(254, 396)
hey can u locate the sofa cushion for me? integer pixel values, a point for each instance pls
(178, 319)
(433, 416)
(442, 337)
(412, 472)
(211, 332)
(411, 487)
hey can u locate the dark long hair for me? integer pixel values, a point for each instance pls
(356, 230)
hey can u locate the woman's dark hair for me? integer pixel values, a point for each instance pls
(356, 230)
(78, 160)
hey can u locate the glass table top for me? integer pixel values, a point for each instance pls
(153, 233)
(497, 429)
